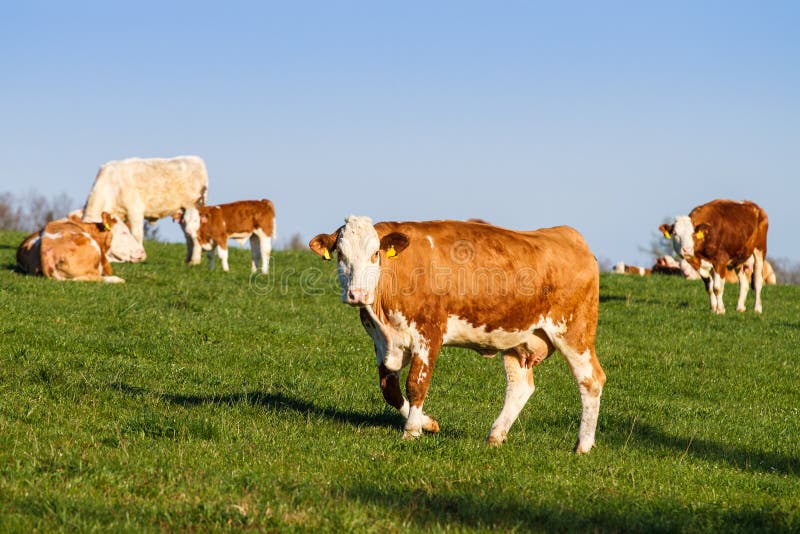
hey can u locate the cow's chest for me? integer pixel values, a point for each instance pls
(395, 339)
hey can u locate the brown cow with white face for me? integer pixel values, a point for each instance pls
(422, 285)
(722, 235)
(212, 226)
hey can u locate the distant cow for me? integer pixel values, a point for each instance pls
(69, 249)
(212, 226)
(722, 235)
(623, 268)
(669, 265)
(422, 285)
(136, 189)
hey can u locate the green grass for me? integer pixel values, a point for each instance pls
(189, 400)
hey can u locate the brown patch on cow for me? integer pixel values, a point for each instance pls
(219, 222)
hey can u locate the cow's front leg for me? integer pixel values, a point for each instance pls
(417, 382)
(718, 288)
(222, 252)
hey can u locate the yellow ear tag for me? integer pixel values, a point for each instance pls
(666, 234)
(107, 226)
(391, 252)
(326, 254)
(699, 234)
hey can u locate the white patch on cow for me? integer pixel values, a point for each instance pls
(92, 242)
(48, 235)
(430, 240)
(461, 332)
(409, 337)
(619, 268)
(240, 237)
(124, 247)
(705, 269)
(357, 247)
(683, 236)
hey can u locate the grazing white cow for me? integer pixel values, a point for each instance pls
(421, 285)
(136, 189)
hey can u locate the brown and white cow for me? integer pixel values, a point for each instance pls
(212, 226)
(623, 268)
(68, 249)
(422, 285)
(722, 235)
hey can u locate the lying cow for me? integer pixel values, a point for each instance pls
(212, 226)
(124, 247)
(622, 268)
(722, 235)
(69, 249)
(136, 189)
(422, 285)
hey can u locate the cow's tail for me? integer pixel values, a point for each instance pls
(274, 226)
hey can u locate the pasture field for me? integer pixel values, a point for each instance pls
(189, 400)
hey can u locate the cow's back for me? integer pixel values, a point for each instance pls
(160, 186)
(488, 275)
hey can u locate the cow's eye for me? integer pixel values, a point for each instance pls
(375, 257)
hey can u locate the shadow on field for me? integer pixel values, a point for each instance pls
(514, 509)
(271, 401)
(647, 436)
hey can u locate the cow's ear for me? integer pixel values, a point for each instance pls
(394, 243)
(323, 244)
(108, 221)
(701, 231)
(667, 229)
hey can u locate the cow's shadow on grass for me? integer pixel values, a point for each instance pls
(273, 401)
(627, 434)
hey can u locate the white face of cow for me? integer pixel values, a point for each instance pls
(359, 261)
(190, 222)
(683, 236)
(124, 247)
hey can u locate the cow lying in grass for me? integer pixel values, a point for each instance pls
(421, 285)
(69, 249)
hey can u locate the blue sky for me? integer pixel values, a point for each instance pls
(607, 116)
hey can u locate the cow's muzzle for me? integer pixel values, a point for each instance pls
(357, 297)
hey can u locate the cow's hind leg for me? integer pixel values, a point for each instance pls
(519, 388)
(758, 277)
(590, 378)
(255, 252)
(744, 287)
(266, 250)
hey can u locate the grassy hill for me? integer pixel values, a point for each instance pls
(196, 400)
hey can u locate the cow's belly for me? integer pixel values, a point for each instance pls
(462, 333)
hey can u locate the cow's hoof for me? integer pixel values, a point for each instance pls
(495, 440)
(431, 426)
(583, 449)
(410, 435)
